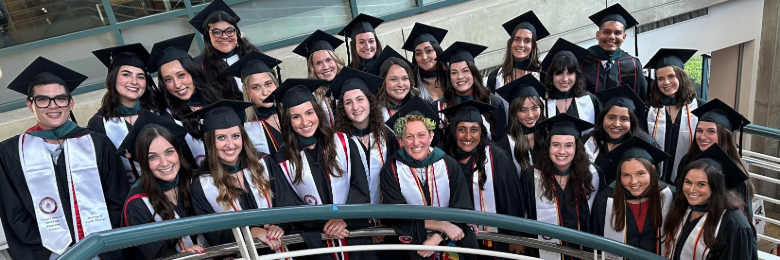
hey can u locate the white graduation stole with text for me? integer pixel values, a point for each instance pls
(116, 130)
(437, 179)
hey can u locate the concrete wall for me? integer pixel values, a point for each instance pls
(724, 69)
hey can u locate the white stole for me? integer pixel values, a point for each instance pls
(256, 132)
(307, 189)
(656, 125)
(386, 113)
(485, 199)
(437, 178)
(116, 130)
(620, 236)
(591, 149)
(377, 159)
(196, 146)
(185, 241)
(694, 247)
(230, 60)
(83, 185)
(441, 105)
(500, 83)
(328, 111)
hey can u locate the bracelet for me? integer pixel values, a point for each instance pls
(442, 235)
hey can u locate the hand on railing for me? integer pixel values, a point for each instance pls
(271, 235)
(197, 249)
(336, 228)
(378, 239)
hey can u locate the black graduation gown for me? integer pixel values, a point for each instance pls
(283, 196)
(358, 194)
(96, 124)
(569, 213)
(274, 138)
(736, 239)
(503, 143)
(491, 80)
(743, 190)
(137, 213)
(609, 166)
(645, 240)
(18, 212)
(414, 229)
(597, 106)
(506, 189)
(670, 147)
(626, 69)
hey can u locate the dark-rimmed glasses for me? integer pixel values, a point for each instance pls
(230, 32)
(44, 101)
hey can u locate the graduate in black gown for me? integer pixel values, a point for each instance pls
(237, 177)
(669, 118)
(521, 141)
(321, 166)
(163, 190)
(632, 209)
(621, 118)
(465, 83)
(398, 85)
(41, 211)
(561, 187)
(607, 65)
(419, 174)
(129, 89)
(424, 42)
(565, 83)
(493, 182)
(319, 49)
(717, 123)
(705, 220)
(364, 45)
(259, 81)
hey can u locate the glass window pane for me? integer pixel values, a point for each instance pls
(126, 10)
(166, 28)
(23, 21)
(382, 7)
(427, 2)
(62, 53)
(266, 21)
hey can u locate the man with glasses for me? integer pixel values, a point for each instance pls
(58, 182)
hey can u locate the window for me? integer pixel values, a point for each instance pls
(126, 10)
(383, 7)
(23, 21)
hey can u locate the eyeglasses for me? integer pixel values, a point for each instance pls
(44, 101)
(230, 32)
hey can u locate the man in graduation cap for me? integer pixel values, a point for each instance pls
(59, 182)
(521, 140)
(608, 66)
(365, 45)
(419, 174)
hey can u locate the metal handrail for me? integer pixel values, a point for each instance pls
(115, 239)
(764, 131)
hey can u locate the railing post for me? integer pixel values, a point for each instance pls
(705, 75)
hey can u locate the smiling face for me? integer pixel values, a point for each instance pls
(229, 144)
(365, 44)
(52, 116)
(425, 56)
(706, 135)
(610, 36)
(304, 120)
(467, 135)
(617, 122)
(634, 177)
(163, 159)
(416, 140)
(130, 83)
(564, 80)
(324, 65)
(667, 81)
(461, 78)
(521, 44)
(562, 149)
(177, 81)
(225, 43)
(696, 187)
(357, 107)
(397, 84)
(260, 86)
(529, 113)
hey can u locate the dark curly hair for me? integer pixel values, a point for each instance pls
(375, 120)
(580, 178)
(213, 65)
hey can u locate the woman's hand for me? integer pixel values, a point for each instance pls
(336, 228)
(197, 249)
(378, 239)
(262, 234)
(452, 231)
(433, 240)
(517, 249)
(274, 233)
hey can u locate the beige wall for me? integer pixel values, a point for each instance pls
(723, 78)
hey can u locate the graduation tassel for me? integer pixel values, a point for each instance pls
(278, 74)
(636, 40)
(349, 56)
(741, 129)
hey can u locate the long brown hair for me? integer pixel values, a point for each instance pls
(355, 64)
(381, 95)
(325, 141)
(720, 200)
(375, 121)
(156, 196)
(522, 144)
(559, 65)
(726, 141)
(685, 91)
(600, 135)
(653, 193)
(508, 65)
(111, 102)
(580, 178)
(223, 180)
(480, 92)
(213, 65)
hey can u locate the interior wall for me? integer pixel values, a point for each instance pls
(724, 69)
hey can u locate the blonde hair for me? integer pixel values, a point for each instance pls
(401, 123)
(320, 92)
(250, 111)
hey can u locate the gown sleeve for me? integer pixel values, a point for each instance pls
(736, 239)
(284, 195)
(506, 185)
(641, 82)
(358, 187)
(528, 193)
(16, 218)
(410, 231)
(201, 206)
(113, 178)
(499, 115)
(599, 211)
(683, 162)
(96, 124)
(459, 190)
(138, 213)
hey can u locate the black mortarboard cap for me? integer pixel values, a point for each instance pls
(351, 79)
(564, 47)
(318, 40)
(44, 71)
(423, 33)
(565, 124)
(525, 86)
(717, 158)
(169, 50)
(222, 114)
(216, 6)
(616, 13)
(622, 96)
(293, 92)
(636, 147)
(527, 21)
(715, 111)
(361, 24)
(415, 106)
(387, 53)
(461, 51)
(469, 111)
(670, 57)
(251, 64)
(145, 119)
(132, 55)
